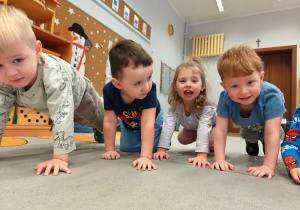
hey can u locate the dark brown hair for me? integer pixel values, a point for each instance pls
(127, 52)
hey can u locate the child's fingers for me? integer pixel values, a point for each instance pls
(65, 169)
(55, 170)
(37, 166)
(153, 166)
(39, 169)
(48, 170)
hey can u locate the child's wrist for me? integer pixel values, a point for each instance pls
(146, 157)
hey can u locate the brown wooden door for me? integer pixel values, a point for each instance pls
(279, 65)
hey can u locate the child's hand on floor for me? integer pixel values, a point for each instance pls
(110, 155)
(200, 161)
(143, 163)
(295, 173)
(160, 154)
(261, 171)
(56, 164)
(222, 165)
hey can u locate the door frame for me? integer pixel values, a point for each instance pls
(293, 50)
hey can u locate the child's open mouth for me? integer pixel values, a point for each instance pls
(188, 93)
(245, 98)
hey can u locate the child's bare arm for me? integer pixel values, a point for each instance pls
(219, 145)
(110, 123)
(58, 163)
(272, 144)
(147, 137)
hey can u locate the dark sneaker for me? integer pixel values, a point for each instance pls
(98, 136)
(252, 148)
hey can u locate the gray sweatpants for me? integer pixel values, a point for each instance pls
(254, 136)
(90, 111)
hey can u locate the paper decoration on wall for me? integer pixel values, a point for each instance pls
(167, 75)
(136, 21)
(132, 18)
(91, 42)
(144, 29)
(126, 13)
(81, 45)
(107, 70)
(115, 5)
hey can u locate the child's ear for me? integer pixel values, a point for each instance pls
(38, 48)
(174, 85)
(116, 83)
(223, 85)
(203, 86)
(262, 75)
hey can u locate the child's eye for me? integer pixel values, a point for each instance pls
(234, 86)
(136, 84)
(1, 65)
(149, 77)
(250, 82)
(19, 60)
(195, 80)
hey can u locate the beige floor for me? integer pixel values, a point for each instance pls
(102, 184)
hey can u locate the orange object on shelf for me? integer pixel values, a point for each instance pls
(51, 52)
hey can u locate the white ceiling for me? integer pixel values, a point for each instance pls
(199, 11)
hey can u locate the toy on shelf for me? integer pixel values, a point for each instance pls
(39, 11)
(3, 2)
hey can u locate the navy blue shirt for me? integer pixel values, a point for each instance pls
(129, 114)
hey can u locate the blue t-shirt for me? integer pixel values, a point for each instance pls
(129, 114)
(268, 105)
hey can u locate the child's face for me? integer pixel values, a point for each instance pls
(244, 90)
(18, 64)
(188, 85)
(135, 83)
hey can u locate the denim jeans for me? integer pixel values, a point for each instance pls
(130, 140)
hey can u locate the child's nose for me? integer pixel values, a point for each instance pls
(146, 87)
(244, 89)
(188, 83)
(10, 72)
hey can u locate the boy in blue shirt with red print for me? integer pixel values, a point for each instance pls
(131, 97)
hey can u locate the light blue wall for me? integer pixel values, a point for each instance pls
(274, 29)
(158, 14)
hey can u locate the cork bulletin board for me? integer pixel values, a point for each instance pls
(124, 11)
(92, 52)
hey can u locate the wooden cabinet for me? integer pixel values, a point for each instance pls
(60, 43)
(39, 11)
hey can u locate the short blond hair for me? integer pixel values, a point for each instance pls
(14, 26)
(238, 62)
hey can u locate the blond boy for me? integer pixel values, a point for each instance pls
(43, 83)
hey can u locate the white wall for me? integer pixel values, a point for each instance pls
(274, 29)
(158, 14)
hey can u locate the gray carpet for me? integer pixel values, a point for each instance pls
(103, 184)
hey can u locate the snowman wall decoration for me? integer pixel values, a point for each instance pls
(81, 45)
